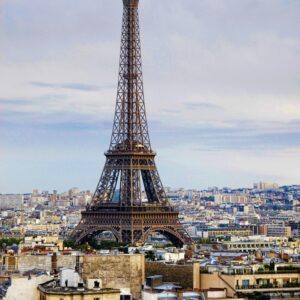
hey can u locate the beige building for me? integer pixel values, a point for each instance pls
(116, 271)
(11, 201)
(43, 227)
(243, 281)
(48, 243)
(226, 232)
(265, 186)
(232, 198)
(237, 281)
(51, 290)
(248, 246)
(126, 272)
(276, 229)
(25, 287)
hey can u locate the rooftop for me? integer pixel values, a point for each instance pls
(53, 287)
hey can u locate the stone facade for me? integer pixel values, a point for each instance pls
(66, 261)
(181, 274)
(120, 271)
(114, 271)
(29, 262)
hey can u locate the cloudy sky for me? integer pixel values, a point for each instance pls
(222, 88)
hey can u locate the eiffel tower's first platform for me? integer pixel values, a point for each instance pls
(117, 204)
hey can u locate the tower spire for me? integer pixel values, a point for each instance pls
(130, 129)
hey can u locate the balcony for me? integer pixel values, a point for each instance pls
(291, 286)
(259, 272)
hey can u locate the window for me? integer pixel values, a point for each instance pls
(245, 283)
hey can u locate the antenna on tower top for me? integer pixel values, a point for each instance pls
(131, 3)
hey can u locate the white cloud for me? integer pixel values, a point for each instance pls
(238, 60)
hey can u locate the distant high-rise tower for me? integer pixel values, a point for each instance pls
(117, 204)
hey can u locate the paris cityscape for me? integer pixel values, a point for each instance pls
(208, 207)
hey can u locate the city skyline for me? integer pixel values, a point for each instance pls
(234, 98)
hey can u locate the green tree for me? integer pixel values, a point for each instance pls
(150, 255)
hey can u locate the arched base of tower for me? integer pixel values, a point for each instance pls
(131, 225)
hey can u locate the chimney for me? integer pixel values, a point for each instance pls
(196, 276)
(54, 263)
(77, 266)
(96, 285)
(180, 295)
(80, 287)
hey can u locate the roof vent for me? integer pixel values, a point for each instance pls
(96, 285)
(80, 287)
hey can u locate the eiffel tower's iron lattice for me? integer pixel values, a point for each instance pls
(117, 204)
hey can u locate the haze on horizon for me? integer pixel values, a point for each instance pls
(222, 90)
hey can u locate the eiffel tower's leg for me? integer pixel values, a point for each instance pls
(153, 186)
(107, 184)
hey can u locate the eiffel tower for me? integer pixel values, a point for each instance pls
(118, 204)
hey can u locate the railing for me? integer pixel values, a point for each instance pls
(248, 272)
(268, 286)
(287, 271)
(143, 208)
(135, 151)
